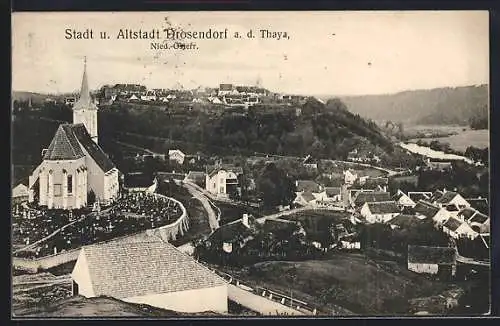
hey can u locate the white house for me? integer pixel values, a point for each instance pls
(451, 198)
(426, 210)
(148, 272)
(403, 200)
(20, 193)
(456, 228)
(176, 155)
(431, 260)
(222, 180)
(74, 165)
(306, 198)
(349, 177)
(380, 212)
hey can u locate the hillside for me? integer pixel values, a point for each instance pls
(323, 130)
(98, 307)
(435, 106)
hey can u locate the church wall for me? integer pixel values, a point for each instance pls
(111, 186)
(58, 195)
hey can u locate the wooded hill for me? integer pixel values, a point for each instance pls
(458, 105)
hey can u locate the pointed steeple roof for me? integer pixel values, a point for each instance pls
(85, 101)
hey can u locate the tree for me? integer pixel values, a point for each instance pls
(275, 187)
(91, 197)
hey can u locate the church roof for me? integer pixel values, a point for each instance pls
(64, 145)
(91, 147)
(68, 144)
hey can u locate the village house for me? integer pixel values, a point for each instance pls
(196, 177)
(74, 165)
(222, 179)
(176, 156)
(350, 242)
(416, 196)
(439, 165)
(456, 229)
(150, 272)
(310, 163)
(363, 197)
(380, 212)
(404, 221)
(451, 198)
(480, 204)
(168, 176)
(308, 186)
(478, 221)
(375, 184)
(20, 194)
(403, 200)
(425, 210)
(438, 261)
(349, 177)
(233, 235)
(306, 198)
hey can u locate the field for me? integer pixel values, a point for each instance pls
(351, 281)
(459, 137)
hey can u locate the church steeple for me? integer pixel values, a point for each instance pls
(84, 91)
(84, 110)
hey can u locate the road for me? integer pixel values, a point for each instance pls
(471, 261)
(260, 304)
(212, 216)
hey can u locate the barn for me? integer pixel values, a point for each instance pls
(432, 260)
(148, 272)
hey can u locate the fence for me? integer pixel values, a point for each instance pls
(269, 294)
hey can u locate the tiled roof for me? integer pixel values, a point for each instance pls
(374, 182)
(481, 204)
(91, 147)
(332, 191)
(426, 209)
(485, 227)
(447, 197)
(416, 196)
(308, 196)
(371, 196)
(467, 213)
(479, 218)
(308, 185)
(196, 175)
(436, 195)
(170, 175)
(404, 220)
(431, 255)
(452, 223)
(64, 145)
(229, 232)
(211, 171)
(123, 270)
(385, 207)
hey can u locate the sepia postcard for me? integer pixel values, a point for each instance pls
(192, 164)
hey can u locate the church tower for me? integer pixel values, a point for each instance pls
(84, 110)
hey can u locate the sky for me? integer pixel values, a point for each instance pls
(327, 53)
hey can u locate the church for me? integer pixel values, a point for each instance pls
(74, 165)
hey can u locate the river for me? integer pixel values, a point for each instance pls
(433, 154)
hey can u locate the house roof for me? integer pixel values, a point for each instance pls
(426, 209)
(196, 175)
(229, 231)
(332, 191)
(91, 147)
(137, 179)
(436, 195)
(64, 145)
(404, 220)
(212, 170)
(479, 218)
(446, 197)
(226, 87)
(485, 227)
(384, 207)
(481, 204)
(467, 213)
(452, 223)
(416, 196)
(171, 175)
(371, 196)
(308, 186)
(431, 255)
(308, 196)
(271, 225)
(123, 270)
(374, 182)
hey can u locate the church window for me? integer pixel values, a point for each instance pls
(70, 184)
(57, 190)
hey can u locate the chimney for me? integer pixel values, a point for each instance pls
(245, 220)
(444, 190)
